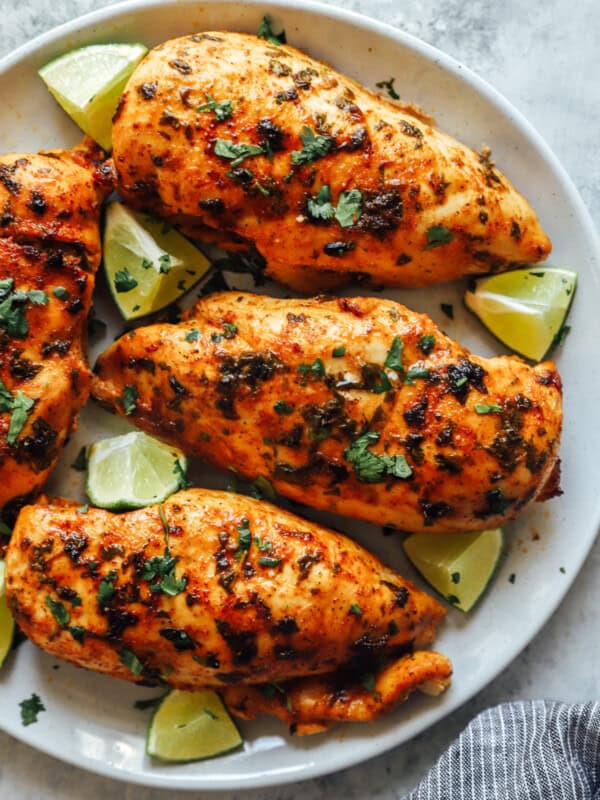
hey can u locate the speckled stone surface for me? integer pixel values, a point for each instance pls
(543, 56)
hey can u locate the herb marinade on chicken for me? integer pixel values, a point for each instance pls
(357, 406)
(214, 589)
(245, 143)
(49, 252)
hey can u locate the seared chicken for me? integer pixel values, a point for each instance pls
(49, 253)
(213, 589)
(357, 406)
(231, 137)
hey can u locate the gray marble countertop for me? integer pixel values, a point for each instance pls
(543, 57)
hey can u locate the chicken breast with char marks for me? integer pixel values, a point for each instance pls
(245, 143)
(214, 589)
(49, 253)
(357, 406)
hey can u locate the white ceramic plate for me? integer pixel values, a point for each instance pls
(90, 720)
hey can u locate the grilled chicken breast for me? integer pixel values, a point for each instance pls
(49, 253)
(357, 406)
(213, 589)
(232, 137)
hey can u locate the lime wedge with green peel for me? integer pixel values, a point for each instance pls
(524, 308)
(88, 83)
(7, 624)
(147, 263)
(133, 471)
(189, 726)
(458, 565)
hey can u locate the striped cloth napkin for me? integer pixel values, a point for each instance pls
(535, 749)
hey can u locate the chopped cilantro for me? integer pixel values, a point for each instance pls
(371, 468)
(12, 311)
(261, 487)
(338, 352)
(563, 570)
(281, 407)
(58, 611)
(129, 399)
(223, 109)
(80, 463)
(356, 610)
(267, 561)
(389, 87)
(236, 152)
(30, 709)
(124, 281)
(159, 571)
(437, 236)
(164, 263)
(368, 681)
(78, 633)
(192, 335)
(317, 368)
(131, 661)
(381, 383)
(487, 408)
(61, 293)
(146, 263)
(313, 147)
(447, 309)
(83, 509)
(106, 588)
(349, 208)
(265, 546)
(244, 538)
(393, 360)
(452, 598)
(21, 408)
(415, 372)
(455, 577)
(230, 330)
(181, 476)
(320, 206)
(265, 32)
(426, 343)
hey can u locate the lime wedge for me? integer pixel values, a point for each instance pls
(133, 471)
(7, 624)
(88, 83)
(188, 726)
(458, 565)
(524, 308)
(148, 264)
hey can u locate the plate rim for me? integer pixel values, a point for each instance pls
(481, 87)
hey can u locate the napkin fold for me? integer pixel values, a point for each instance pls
(531, 750)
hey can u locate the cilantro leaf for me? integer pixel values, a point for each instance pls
(426, 343)
(371, 468)
(12, 312)
(230, 330)
(131, 661)
(267, 561)
(164, 263)
(356, 610)
(317, 368)
(320, 207)
(124, 281)
(58, 611)
(393, 360)
(313, 147)
(389, 86)
(61, 293)
(237, 152)
(30, 709)
(261, 487)
(438, 235)
(80, 463)
(338, 352)
(106, 588)
(487, 408)
(129, 399)
(244, 539)
(77, 632)
(181, 476)
(415, 372)
(192, 335)
(21, 408)
(265, 32)
(281, 407)
(223, 109)
(37, 297)
(349, 208)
